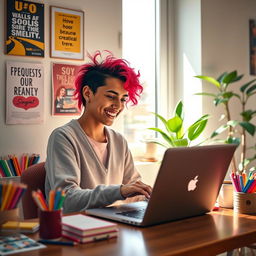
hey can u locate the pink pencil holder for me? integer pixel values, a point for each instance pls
(50, 224)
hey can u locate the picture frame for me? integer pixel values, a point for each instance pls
(63, 88)
(24, 28)
(252, 32)
(66, 33)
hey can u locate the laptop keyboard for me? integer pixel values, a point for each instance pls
(138, 214)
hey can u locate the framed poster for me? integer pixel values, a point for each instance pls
(24, 28)
(67, 33)
(252, 47)
(24, 93)
(63, 88)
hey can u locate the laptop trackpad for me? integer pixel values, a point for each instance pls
(133, 210)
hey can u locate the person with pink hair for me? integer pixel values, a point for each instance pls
(87, 158)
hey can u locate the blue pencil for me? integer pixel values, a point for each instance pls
(57, 242)
(57, 199)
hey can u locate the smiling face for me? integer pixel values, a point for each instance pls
(62, 92)
(108, 101)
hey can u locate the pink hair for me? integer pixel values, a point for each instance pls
(110, 67)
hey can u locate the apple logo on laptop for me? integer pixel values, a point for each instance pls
(192, 184)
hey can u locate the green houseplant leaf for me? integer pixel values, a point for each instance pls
(249, 127)
(174, 124)
(197, 128)
(174, 134)
(168, 139)
(210, 80)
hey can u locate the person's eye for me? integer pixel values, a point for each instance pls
(124, 99)
(110, 97)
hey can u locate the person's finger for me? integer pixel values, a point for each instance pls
(141, 190)
(145, 187)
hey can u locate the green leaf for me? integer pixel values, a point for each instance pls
(229, 78)
(251, 89)
(167, 138)
(233, 140)
(247, 115)
(197, 128)
(174, 124)
(160, 117)
(220, 78)
(249, 127)
(237, 78)
(210, 80)
(180, 133)
(179, 110)
(218, 101)
(181, 143)
(218, 131)
(243, 87)
(206, 94)
(164, 121)
(227, 95)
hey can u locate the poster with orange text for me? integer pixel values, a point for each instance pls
(24, 93)
(63, 88)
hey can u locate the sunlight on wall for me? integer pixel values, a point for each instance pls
(191, 85)
(139, 49)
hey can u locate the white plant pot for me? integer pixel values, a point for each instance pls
(225, 198)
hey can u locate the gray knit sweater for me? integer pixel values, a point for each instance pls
(73, 165)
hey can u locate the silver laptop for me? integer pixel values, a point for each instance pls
(187, 184)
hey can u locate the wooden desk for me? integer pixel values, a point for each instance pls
(210, 234)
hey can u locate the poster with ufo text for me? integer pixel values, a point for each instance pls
(24, 93)
(24, 28)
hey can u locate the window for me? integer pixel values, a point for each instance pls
(139, 48)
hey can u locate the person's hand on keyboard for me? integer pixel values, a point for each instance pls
(136, 188)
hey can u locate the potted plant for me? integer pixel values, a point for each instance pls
(174, 133)
(237, 130)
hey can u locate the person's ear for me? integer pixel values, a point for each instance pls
(87, 92)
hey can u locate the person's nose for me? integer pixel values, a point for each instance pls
(118, 105)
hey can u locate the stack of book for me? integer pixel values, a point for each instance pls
(85, 229)
(23, 227)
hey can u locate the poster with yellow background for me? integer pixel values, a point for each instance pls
(67, 33)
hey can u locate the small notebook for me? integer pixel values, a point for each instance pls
(23, 227)
(83, 225)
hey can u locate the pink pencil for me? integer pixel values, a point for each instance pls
(15, 198)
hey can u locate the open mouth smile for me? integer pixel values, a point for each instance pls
(111, 114)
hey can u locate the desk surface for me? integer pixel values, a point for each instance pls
(209, 234)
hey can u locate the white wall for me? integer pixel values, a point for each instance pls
(225, 44)
(103, 25)
(214, 37)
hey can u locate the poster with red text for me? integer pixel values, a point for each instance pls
(63, 88)
(24, 93)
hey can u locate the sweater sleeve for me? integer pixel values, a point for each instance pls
(130, 172)
(62, 170)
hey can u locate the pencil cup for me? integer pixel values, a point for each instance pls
(50, 224)
(245, 202)
(9, 215)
